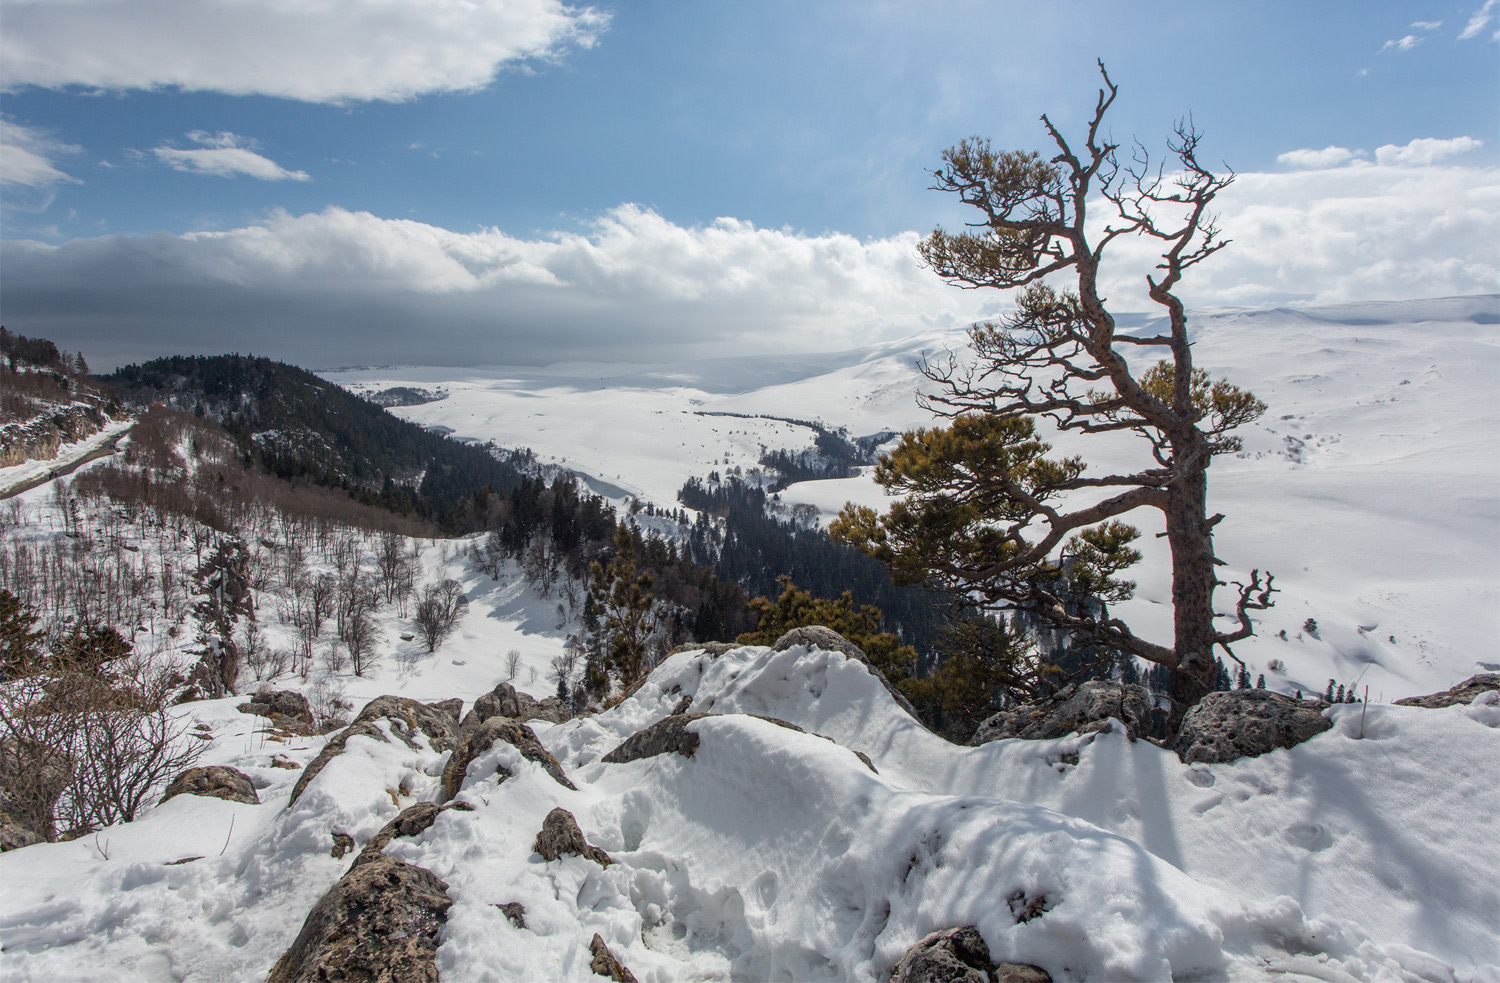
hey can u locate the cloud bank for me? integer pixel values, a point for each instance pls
(328, 51)
(225, 155)
(338, 287)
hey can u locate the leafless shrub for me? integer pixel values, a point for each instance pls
(329, 706)
(98, 746)
(512, 663)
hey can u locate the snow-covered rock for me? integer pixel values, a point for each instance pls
(1075, 709)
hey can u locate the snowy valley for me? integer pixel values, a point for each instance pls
(740, 848)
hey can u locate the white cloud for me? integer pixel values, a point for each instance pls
(336, 286)
(27, 157)
(328, 51)
(1327, 157)
(1373, 231)
(1402, 44)
(1427, 25)
(225, 154)
(1479, 21)
(330, 286)
(1425, 151)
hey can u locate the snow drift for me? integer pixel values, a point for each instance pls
(776, 853)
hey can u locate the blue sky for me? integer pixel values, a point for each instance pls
(549, 181)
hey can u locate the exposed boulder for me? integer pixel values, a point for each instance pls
(667, 735)
(1082, 708)
(605, 963)
(378, 924)
(287, 709)
(670, 735)
(560, 836)
(714, 649)
(1460, 695)
(13, 835)
(412, 821)
(1233, 724)
(823, 637)
(216, 781)
(515, 911)
(959, 955)
(507, 701)
(342, 844)
(439, 721)
(511, 732)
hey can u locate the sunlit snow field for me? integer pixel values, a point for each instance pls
(1370, 488)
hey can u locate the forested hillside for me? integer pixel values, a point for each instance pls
(302, 427)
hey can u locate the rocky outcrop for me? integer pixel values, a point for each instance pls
(378, 924)
(714, 649)
(512, 732)
(561, 836)
(605, 963)
(406, 717)
(215, 781)
(1076, 708)
(286, 709)
(507, 701)
(412, 821)
(13, 835)
(821, 637)
(1460, 695)
(959, 955)
(669, 735)
(1229, 725)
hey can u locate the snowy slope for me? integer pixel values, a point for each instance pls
(772, 854)
(1371, 487)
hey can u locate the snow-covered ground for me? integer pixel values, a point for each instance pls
(17, 475)
(1371, 487)
(1364, 854)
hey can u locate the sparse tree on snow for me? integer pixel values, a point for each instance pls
(986, 514)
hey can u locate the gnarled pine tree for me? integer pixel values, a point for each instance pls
(984, 515)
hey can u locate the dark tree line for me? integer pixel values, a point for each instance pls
(752, 548)
(303, 428)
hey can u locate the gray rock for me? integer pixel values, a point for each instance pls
(822, 637)
(216, 781)
(342, 844)
(1083, 709)
(560, 836)
(668, 735)
(406, 718)
(714, 649)
(511, 732)
(412, 821)
(378, 924)
(605, 963)
(959, 955)
(287, 709)
(1243, 723)
(515, 911)
(507, 701)
(13, 835)
(1460, 695)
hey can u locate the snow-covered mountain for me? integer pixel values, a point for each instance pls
(1370, 488)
